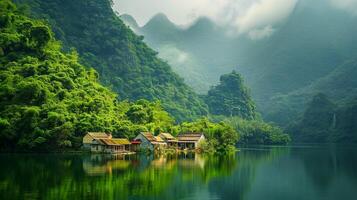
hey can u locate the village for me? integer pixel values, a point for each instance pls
(100, 142)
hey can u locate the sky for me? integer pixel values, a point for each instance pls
(256, 18)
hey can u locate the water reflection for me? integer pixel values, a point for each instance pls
(253, 173)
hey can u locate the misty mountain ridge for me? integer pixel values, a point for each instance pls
(306, 48)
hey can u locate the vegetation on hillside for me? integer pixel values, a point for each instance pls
(303, 57)
(325, 121)
(48, 100)
(221, 137)
(231, 98)
(258, 132)
(123, 60)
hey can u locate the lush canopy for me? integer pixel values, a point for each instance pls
(48, 100)
(123, 60)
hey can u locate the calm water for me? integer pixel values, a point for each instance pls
(277, 173)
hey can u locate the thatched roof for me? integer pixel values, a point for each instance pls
(189, 137)
(99, 135)
(114, 142)
(149, 136)
(168, 137)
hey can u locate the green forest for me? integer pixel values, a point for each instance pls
(51, 95)
(125, 63)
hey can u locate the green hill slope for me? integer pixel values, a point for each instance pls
(123, 60)
(48, 101)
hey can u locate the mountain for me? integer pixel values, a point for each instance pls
(131, 22)
(325, 121)
(339, 85)
(49, 101)
(194, 52)
(306, 47)
(123, 60)
(160, 23)
(231, 98)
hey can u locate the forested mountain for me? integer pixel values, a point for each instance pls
(48, 101)
(123, 60)
(311, 52)
(130, 21)
(231, 98)
(325, 121)
(198, 53)
(339, 85)
(312, 42)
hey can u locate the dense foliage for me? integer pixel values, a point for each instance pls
(221, 137)
(48, 100)
(231, 98)
(258, 132)
(123, 60)
(325, 121)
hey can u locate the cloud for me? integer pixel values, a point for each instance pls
(264, 14)
(258, 34)
(172, 53)
(347, 5)
(252, 17)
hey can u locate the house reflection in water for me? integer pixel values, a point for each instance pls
(99, 164)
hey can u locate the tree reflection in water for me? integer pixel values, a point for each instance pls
(107, 176)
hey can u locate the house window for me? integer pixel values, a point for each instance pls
(96, 147)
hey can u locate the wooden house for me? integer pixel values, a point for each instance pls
(170, 140)
(190, 141)
(113, 146)
(90, 136)
(149, 141)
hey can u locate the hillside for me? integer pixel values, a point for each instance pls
(314, 40)
(339, 85)
(325, 121)
(123, 60)
(231, 98)
(48, 101)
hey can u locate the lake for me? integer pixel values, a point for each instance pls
(276, 173)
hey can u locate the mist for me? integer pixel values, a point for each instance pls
(256, 18)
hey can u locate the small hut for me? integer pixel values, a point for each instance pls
(90, 136)
(169, 139)
(190, 141)
(114, 146)
(149, 141)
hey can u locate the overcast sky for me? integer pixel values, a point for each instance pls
(255, 17)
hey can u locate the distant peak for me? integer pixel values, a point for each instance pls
(203, 23)
(127, 16)
(129, 20)
(161, 17)
(161, 20)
